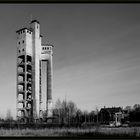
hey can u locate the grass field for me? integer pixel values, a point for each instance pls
(89, 132)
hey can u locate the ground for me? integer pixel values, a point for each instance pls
(88, 132)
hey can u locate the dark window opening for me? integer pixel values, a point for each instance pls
(23, 41)
(18, 42)
(23, 50)
(19, 51)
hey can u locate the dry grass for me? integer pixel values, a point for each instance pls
(72, 132)
(128, 131)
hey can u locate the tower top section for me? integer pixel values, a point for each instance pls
(35, 21)
(23, 30)
(29, 29)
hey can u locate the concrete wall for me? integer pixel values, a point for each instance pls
(30, 44)
(36, 71)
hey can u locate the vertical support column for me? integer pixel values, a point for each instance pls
(49, 87)
(40, 95)
(25, 88)
(17, 90)
(36, 44)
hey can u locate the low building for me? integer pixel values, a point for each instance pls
(111, 116)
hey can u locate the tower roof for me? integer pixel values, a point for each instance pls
(47, 45)
(24, 29)
(35, 21)
(20, 30)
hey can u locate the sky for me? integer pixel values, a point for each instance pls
(96, 55)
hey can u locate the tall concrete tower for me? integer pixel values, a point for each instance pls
(34, 74)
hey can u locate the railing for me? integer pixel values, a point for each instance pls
(20, 109)
(21, 73)
(20, 81)
(21, 63)
(29, 79)
(29, 91)
(29, 99)
(29, 63)
(20, 90)
(29, 72)
(28, 108)
(21, 101)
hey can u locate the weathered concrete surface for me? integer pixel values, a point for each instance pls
(29, 44)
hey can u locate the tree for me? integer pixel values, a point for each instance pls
(58, 104)
(134, 115)
(57, 110)
(9, 116)
(97, 113)
(128, 108)
(79, 116)
(136, 107)
(85, 113)
(92, 114)
(65, 111)
(72, 109)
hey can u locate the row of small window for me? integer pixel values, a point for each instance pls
(22, 42)
(23, 31)
(29, 32)
(44, 48)
(20, 50)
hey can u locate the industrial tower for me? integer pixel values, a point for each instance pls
(34, 74)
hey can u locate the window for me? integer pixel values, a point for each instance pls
(23, 41)
(19, 51)
(23, 50)
(19, 43)
(23, 31)
(47, 48)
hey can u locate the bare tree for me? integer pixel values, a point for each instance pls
(72, 109)
(91, 116)
(136, 106)
(57, 110)
(128, 108)
(8, 115)
(65, 111)
(79, 116)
